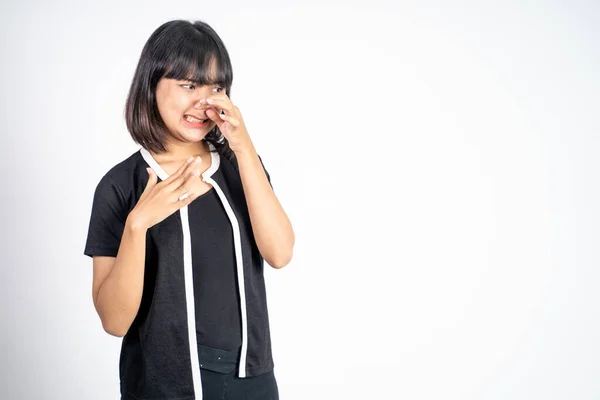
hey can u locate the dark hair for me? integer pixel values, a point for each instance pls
(180, 50)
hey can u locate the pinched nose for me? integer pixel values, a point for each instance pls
(201, 104)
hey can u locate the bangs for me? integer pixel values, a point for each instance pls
(200, 61)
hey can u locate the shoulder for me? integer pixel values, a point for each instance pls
(123, 178)
(126, 167)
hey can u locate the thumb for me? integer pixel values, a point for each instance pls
(214, 116)
(151, 180)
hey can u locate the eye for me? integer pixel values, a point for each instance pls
(192, 86)
(218, 87)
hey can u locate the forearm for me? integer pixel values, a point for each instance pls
(120, 295)
(271, 226)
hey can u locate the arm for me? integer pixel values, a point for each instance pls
(271, 226)
(119, 281)
(117, 241)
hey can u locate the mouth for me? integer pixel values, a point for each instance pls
(195, 122)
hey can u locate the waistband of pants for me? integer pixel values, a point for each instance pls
(218, 360)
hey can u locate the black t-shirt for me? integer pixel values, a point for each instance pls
(218, 323)
(172, 335)
(218, 326)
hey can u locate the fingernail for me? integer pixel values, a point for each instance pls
(190, 159)
(209, 101)
(198, 159)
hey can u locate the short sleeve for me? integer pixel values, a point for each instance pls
(107, 220)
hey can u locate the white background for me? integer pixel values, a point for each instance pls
(438, 160)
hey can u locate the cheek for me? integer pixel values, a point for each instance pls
(171, 109)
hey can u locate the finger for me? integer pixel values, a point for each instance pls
(219, 96)
(222, 104)
(181, 184)
(175, 180)
(185, 201)
(233, 121)
(152, 178)
(215, 116)
(181, 170)
(186, 187)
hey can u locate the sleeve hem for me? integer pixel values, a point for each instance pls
(100, 251)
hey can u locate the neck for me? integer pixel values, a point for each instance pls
(182, 151)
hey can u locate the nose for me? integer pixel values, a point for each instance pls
(200, 104)
(200, 101)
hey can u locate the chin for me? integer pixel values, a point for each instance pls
(195, 135)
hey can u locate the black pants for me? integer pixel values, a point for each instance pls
(219, 386)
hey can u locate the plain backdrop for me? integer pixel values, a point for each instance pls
(438, 160)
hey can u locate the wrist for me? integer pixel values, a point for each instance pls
(134, 223)
(244, 150)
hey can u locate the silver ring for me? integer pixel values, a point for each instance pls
(183, 196)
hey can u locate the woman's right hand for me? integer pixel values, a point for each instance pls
(159, 200)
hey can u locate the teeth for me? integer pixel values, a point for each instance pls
(192, 119)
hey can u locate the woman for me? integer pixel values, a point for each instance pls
(179, 231)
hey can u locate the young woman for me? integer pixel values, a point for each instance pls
(179, 231)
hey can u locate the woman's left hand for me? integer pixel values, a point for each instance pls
(231, 123)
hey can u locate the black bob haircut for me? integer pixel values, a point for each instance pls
(180, 50)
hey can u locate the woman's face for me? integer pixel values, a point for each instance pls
(178, 105)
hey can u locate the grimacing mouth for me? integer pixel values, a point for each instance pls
(192, 116)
